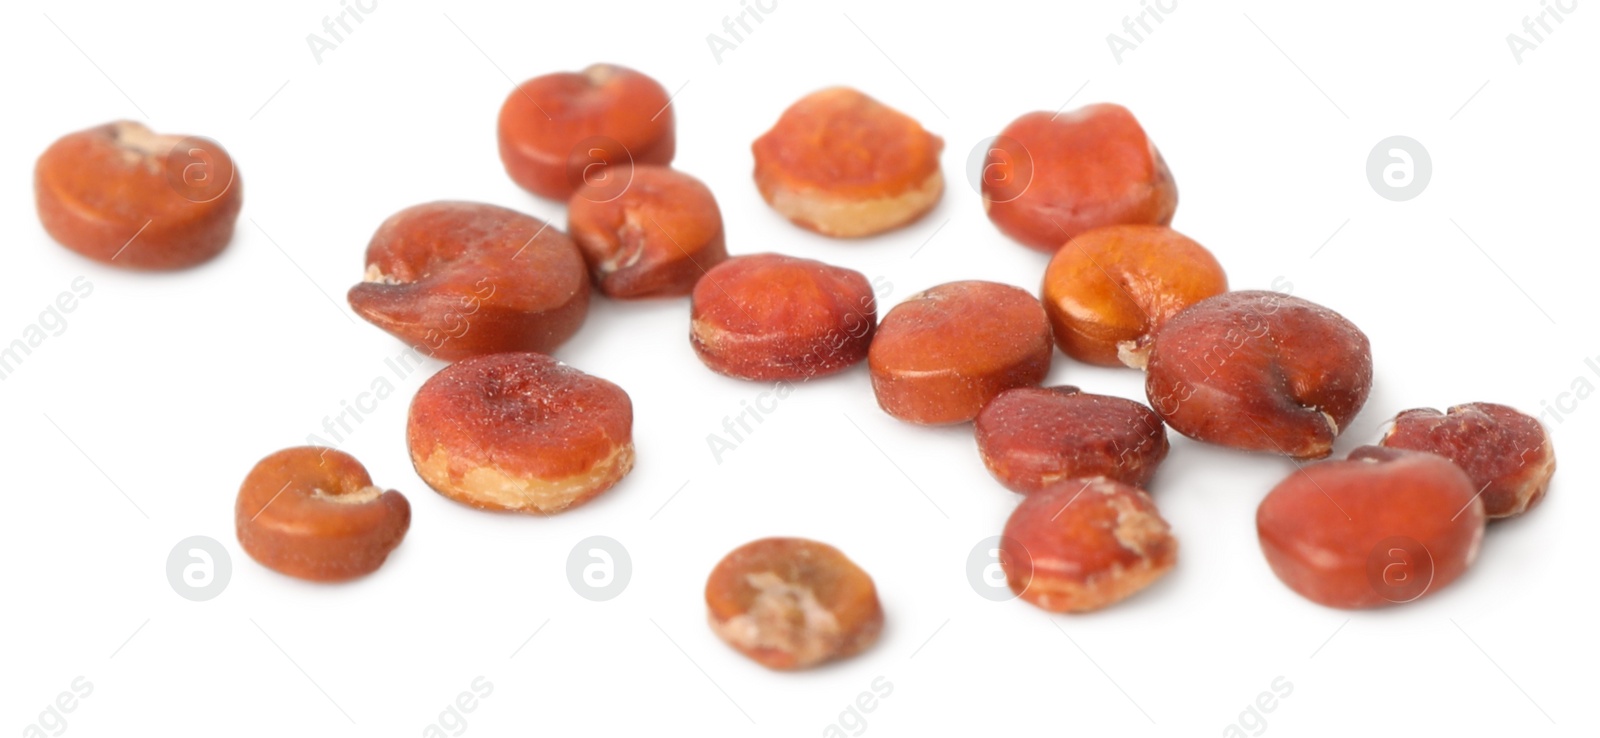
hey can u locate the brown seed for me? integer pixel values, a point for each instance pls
(459, 279)
(944, 353)
(654, 239)
(790, 603)
(1110, 288)
(313, 513)
(1085, 544)
(1260, 371)
(1384, 526)
(772, 317)
(520, 432)
(1051, 176)
(1032, 438)
(561, 131)
(845, 165)
(127, 196)
(1506, 454)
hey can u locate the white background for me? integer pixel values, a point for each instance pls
(167, 388)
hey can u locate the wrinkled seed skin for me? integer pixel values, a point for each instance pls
(1112, 287)
(944, 353)
(783, 638)
(654, 239)
(843, 164)
(1033, 437)
(461, 279)
(1507, 454)
(285, 525)
(106, 193)
(623, 114)
(1050, 176)
(1320, 527)
(770, 317)
(1084, 544)
(1256, 371)
(552, 436)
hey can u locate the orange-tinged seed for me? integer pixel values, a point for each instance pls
(944, 353)
(520, 432)
(791, 603)
(1109, 289)
(313, 513)
(770, 317)
(1051, 176)
(1033, 437)
(124, 195)
(460, 279)
(561, 131)
(1084, 544)
(843, 164)
(1385, 526)
(1260, 371)
(654, 239)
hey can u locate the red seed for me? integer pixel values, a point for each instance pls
(520, 432)
(655, 239)
(944, 353)
(460, 279)
(1085, 544)
(1051, 176)
(1507, 454)
(1260, 371)
(1382, 527)
(561, 131)
(1032, 438)
(771, 317)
